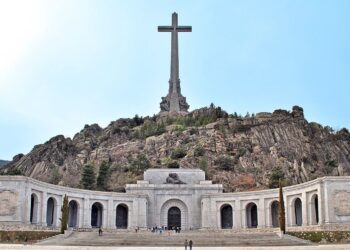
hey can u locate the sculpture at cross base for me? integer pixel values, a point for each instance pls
(174, 102)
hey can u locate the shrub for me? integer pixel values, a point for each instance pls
(149, 128)
(65, 214)
(178, 153)
(138, 164)
(225, 162)
(198, 151)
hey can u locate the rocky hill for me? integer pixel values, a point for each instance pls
(3, 163)
(242, 153)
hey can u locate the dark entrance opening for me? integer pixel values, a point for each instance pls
(73, 214)
(33, 208)
(226, 217)
(298, 212)
(50, 212)
(121, 216)
(275, 213)
(174, 218)
(252, 215)
(96, 215)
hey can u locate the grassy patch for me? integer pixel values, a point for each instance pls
(317, 236)
(20, 236)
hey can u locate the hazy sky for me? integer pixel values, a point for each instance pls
(64, 64)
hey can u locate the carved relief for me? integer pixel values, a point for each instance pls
(341, 203)
(8, 202)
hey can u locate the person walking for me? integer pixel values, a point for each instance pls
(190, 243)
(186, 244)
(99, 232)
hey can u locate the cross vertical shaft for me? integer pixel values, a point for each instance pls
(174, 101)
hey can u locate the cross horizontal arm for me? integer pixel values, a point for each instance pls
(184, 28)
(165, 28)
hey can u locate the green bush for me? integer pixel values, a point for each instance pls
(317, 236)
(198, 151)
(225, 162)
(149, 128)
(178, 153)
(138, 164)
(103, 175)
(88, 177)
(276, 176)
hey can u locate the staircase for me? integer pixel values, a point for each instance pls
(199, 238)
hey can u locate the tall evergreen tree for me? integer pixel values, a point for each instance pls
(103, 176)
(65, 213)
(88, 177)
(282, 215)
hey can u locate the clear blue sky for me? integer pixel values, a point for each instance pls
(64, 64)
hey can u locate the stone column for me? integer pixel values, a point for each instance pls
(268, 216)
(57, 221)
(44, 209)
(304, 209)
(86, 213)
(238, 214)
(110, 215)
(261, 213)
(25, 209)
(320, 204)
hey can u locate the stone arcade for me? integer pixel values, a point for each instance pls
(173, 198)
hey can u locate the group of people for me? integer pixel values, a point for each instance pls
(188, 244)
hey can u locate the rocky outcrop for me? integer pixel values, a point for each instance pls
(3, 163)
(242, 153)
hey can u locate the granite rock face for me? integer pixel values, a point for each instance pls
(3, 163)
(241, 153)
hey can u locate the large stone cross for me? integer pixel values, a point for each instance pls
(174, 101)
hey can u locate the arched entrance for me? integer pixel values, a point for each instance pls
(275, 213)
(314, 210)
(226, 216)
(298, 212)
(252, 215)
(174, 218)
(73, 214)
(164, 213)
(34, 209)
(121, 220)
(51, 212)
(96, 214)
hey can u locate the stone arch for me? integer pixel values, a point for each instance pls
(34, 209)
(252, 215)
(226, 216)
(73, 209)
(297, 212)
(51, 213)
(174, 203)
(274, 208)
(121, 220)
(314, 212)
(174, 218)
(96, 214)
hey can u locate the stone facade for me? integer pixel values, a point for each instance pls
(190, 202)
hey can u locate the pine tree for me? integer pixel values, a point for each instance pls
(65, 212)
(88, 177)
(103, 176)
(282, 215)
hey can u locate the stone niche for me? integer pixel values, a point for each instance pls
(8, 202)
(341, 203)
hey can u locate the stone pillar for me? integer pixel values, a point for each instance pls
(25, 209)
(142, 212)
(238, 214)
(43, 209)
(304, 209)
(327, 200)
(320, 204)
(268, 216)
(86, 213)
(261, 213)
(110, 215)
(57, 221)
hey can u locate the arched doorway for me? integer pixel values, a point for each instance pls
(174, 218)
(73, 214)
(121, 220)
(275, 213)
(96, 214)
(51, 212)
(34, 209)
(252, 215)
(298, 212)
(314, 210)
(226, 216)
